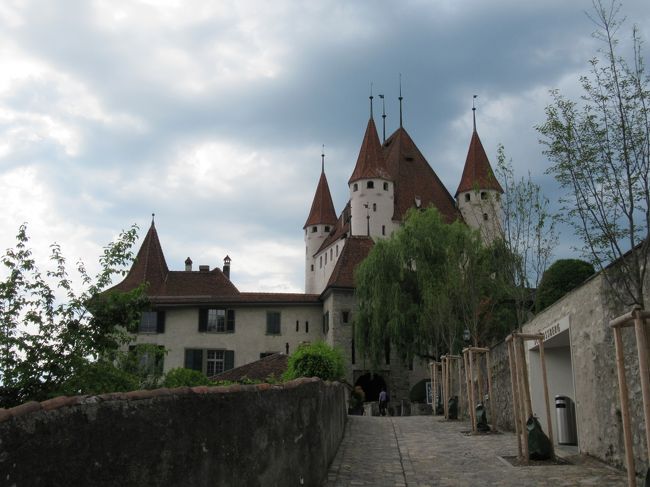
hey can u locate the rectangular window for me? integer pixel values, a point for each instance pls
(314, 229)
(337, 250)
(217, 320)
(345, 317)
(297, 325)
(325, 258)
(370, 184)
(273, 323)
(326, 323)
(214, 362)
(383, 229)
(306, 326)
(148, 322)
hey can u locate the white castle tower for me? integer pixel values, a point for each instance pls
(479, 193)
(372, 202)
(320, 221)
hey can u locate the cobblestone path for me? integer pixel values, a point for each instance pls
(422, 451)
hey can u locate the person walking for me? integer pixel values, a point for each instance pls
(383, 400)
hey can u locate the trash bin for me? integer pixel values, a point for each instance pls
(566, 423)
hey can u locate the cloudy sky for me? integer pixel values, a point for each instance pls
(211, 113)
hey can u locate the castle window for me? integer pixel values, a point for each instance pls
(345, 317)
(306, 326)
(385, 186)
(326, 323)
(355, 187)
(312, 267)
(337, 250)
(383, 229)
(325, 258)
(483, 195)
(374, 207)
(331, 253)
(370, 184)
(485, 216)
(273, 323)
(314, 229)
(467, 197)
(327, 228)
(321, 261)
(297, 325)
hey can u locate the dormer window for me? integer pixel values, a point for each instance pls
(355, 187)
(467, 196)
(370, 184)
(314, 229)
(385, 186)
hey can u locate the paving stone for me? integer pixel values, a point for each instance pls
(423, 451)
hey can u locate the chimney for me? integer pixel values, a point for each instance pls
(204, 268)
(188, 265)
(226, 266)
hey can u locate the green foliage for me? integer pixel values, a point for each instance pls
(421, 287)
(144, 361)
(315, 360)
(599, 148)
(560, 278)
(50, 331)
(97, 378)
(179, 377)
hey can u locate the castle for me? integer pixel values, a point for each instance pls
(207, 324)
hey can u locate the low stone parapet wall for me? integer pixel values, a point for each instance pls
(255, 435)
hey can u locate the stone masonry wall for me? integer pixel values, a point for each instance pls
(258, 435)
(502, 385)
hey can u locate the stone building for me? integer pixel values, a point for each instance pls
(207, 324)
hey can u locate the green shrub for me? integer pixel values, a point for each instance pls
(315, 360)
(97, 378)
(560, 278)
(180, 377)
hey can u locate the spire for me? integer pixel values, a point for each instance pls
(474, 112)
(371, 97)
(322, 207)
(149, 265)
(383, 117)
(322, 160)
(478, 173)
(400, 100)
(370, 163)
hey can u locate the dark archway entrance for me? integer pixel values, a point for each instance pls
(372, 384)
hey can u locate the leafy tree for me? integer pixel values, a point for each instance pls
(560, 278)
(49, 332)
(529, 237)
(98, 377)
(179, 377)
(315, 360)
(599, 148)
(418, 289)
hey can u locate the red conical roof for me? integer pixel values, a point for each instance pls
(370, 163)
(322, 208)
(477, 173)
(149, 265)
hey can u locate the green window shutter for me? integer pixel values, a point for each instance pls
(194, 359)
(160, 322)
(229, 360)
(230, 321)
(203, 320)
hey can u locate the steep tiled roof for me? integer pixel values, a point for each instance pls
(414, 178)
(149, 265)
(355, 250)
(370, 163)
(273, 365)
(341, 228)
(322, 208)
(240, 299)
(477, 173)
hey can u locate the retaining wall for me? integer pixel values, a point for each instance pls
(258, 435)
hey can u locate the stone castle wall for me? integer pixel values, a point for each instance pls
(259, 435)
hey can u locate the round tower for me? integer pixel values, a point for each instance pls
(319, 224)
(372, 189)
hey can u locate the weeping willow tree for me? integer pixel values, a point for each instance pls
(419, 289)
